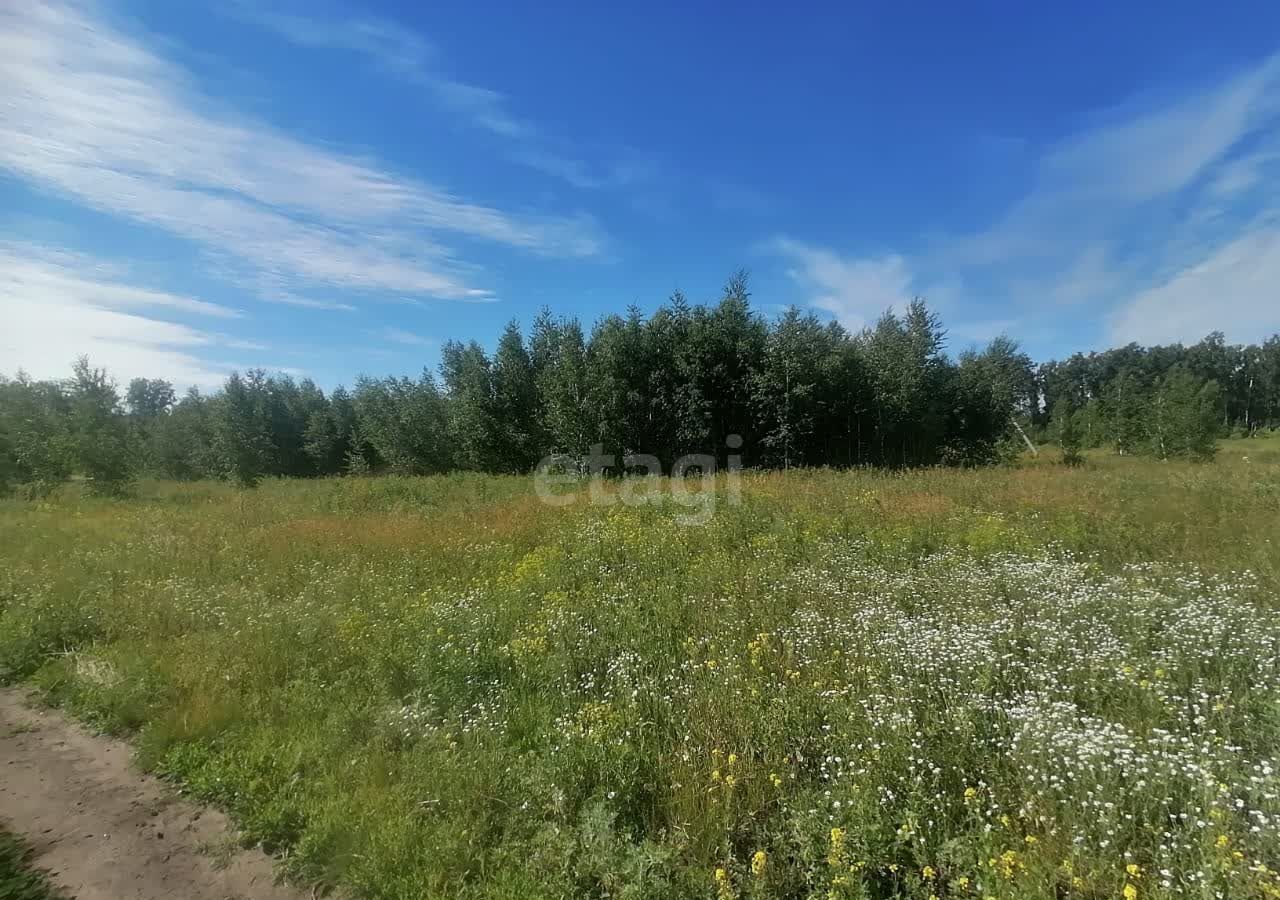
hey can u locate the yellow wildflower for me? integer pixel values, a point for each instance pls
(1031, 839)
(1130, 892)
(724, 890)
(835, 855)
(733, 758)
(927, 873)
(1134, 870)
(759, 860)
(775, 779)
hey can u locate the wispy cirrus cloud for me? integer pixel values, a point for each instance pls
(393, 49)
(1156, 221)
(59, 305)
(403, 337)
(88, 111)
(408, 56)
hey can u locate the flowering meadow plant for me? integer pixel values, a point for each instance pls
(850, 685)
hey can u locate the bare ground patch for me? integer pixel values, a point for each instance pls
(103, 830)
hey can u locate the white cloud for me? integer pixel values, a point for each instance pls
(400, 336)
(855, 291)
(390, 45)
(1157, 221)
(407, 56)
(1236, 291)
(394, 49)
(85, 110)
(58, 305)
(1096, 183)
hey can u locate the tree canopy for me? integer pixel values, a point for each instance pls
(718, 379)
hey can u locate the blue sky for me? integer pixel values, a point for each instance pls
(332, 189)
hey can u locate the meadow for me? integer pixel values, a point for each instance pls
(1020, 682)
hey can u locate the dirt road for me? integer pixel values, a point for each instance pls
(107, 832)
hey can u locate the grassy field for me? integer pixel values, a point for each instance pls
(1016, 683)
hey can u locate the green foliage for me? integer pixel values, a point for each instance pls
(241, 429)
(37, 451)
(473, 425)
(182, 441)
(1126, 409)
(1069, 438)
(1185, 417)
(104, 449)
(789, 386)
(718, 380)
(439, 687)
(402, 424)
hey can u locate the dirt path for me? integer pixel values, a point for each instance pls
(107, 832)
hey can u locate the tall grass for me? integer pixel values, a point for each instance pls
(1032, 682)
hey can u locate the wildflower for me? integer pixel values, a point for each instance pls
(970, 794)
(927, 873)
(1030, 839)
(835, 854)
(759, 860)
(775, 779)
(963, 882)
(716, 776)
(1134, 870)
(1130, 892)
(1222, 841)
(724, 890)
(730, 781)
(733, 758)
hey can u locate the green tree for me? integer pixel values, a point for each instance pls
(1068, 431)
(788, 387)
(560, 362)
(1126, 406)
(182, 442)
(908, 372)
(100, 431)
(988, 392)
(468, 384)
(37, 451)
(519, 440)
(402, 424)
(242, 431)
(1186, 416)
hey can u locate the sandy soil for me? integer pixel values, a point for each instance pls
(107, 832)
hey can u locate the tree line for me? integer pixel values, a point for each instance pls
(1167, 401)
(711, 379)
